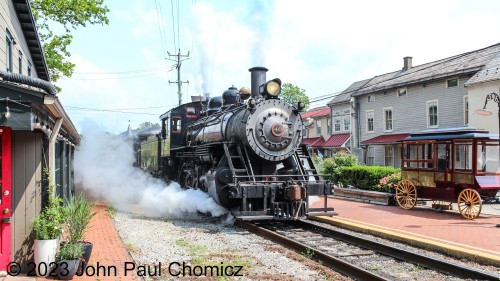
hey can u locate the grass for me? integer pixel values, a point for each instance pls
(111, 210)
(308, 254)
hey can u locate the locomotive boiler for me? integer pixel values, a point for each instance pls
(244, 149)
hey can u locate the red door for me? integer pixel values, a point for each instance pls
(5, 196)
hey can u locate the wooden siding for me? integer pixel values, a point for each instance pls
(26, 189)
(9, 20)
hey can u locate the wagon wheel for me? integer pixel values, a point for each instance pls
(469, 203)
(406, 194)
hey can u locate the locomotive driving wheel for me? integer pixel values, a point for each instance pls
(469, 203)
(406, 194)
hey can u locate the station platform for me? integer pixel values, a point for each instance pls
(445, 231)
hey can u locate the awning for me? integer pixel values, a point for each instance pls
(386, 139)
(316, 112)
(313, 141)
(337, 140)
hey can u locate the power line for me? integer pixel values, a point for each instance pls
(159, 29)
(123, 72)
(173, 23)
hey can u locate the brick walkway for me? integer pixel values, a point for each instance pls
(108, 251)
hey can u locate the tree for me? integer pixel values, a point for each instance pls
(145, 125)
(293, 94)
(71, 14)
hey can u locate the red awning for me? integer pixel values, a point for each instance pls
(316, 112)
(313, 141)
(386, 139)
(337, 140)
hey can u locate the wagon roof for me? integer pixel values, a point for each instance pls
(452, 133)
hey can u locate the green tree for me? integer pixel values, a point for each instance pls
(71, 14)
(145, 125)
(293, 94)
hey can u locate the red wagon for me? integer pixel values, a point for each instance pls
(450, 165)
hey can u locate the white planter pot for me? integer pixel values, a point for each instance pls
(45, 256)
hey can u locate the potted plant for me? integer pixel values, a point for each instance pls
(68, 260)
(78, 213)
(47, 227)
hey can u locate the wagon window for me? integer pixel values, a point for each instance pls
(463, 156)
(411, 154)
(425, 151)
(487, 157)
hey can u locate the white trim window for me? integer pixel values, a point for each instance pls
(346, 115)
(389, 155)
(370, 121)
(388, 119)
(451, 83)
(9, 42)
(371, 98)
(432, 114)
(401, 92)
(370, 156)
(318, 127)
(336, 120)
(466, 110)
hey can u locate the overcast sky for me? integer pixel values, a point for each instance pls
(320, 46)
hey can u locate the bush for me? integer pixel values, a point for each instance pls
(79, 212)
(363, 177)
(48, 224)
(332, 165)
(70, 251)
(389, 183)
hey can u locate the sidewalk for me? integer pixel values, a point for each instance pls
(109, 254)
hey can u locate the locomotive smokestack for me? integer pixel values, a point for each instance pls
(258, 75)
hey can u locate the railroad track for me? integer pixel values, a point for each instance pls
(346, 253)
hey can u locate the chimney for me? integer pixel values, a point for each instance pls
(407, 63)
(258, 78)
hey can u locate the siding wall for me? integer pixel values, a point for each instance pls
(26, 184)
(477, 96)
(410, 111)
(324, 127)
(8, 20)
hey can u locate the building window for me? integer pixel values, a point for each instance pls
(466, 110)
(371, 98)
(369, 120)
(29, 68)
(432, 114)
(450, 83)
(318, 127)
(329, 126)
(401, 92)
(336, 120)
(389, 156)
(388, 119)
(20, 62)
(347, 119)
(8, 50)
(370, 156)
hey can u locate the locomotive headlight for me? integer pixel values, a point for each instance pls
(271, 89)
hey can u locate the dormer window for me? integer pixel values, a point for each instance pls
(371, 98)
(450, 83)
(401, 92)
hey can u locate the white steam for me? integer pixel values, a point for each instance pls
(103, 168)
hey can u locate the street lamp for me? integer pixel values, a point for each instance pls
(485, 112)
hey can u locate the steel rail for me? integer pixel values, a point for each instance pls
(336, 264)
(436, 264)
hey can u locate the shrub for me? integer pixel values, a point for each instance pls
(363, 177)
(70, 251)
(332, 165)
(79, 212)
(48, 224)
(389, 183)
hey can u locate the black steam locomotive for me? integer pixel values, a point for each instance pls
(243, 148)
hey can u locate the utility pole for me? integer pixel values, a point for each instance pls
(178, 60)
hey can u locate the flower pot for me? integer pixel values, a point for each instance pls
(87, 251)
(66, 269)
(45, 256)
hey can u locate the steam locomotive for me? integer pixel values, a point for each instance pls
(242, 148)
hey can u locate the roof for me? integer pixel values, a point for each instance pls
(490, 72)
(462, 64)
(337, 140)
(345, 95)
(317, 112)
(30, 32)
(452, 133)
(313, 141)
(386, 139)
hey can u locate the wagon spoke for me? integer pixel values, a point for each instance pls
(469, 203)
(406, 194)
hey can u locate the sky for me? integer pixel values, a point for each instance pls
(123, 69)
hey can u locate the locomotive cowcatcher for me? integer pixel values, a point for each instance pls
(244, 149)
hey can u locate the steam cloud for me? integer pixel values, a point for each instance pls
(103, 168)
